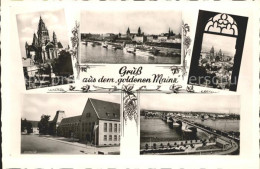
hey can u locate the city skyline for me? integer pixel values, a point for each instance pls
(151, 22)
(216, 41)
(34, 105)
(190, 103)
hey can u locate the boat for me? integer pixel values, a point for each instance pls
(130, 50)
(174, 124)
(85, 43)
(143, 53)
(104, 45)
(154, 51)
(169, 119)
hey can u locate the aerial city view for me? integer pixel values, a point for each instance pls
(125, 38)
(216, 61)
(184, 132)
(45, 54)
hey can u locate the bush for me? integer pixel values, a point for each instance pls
(146, 146)
(154, 145)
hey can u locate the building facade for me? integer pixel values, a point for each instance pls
(99, 124)
(42, 48)
(69, 127)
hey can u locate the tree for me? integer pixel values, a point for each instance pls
(161, 145)
(29, 127)
(23, 124)
(154, 145)
(43, 125)
(139, 31)
(62, 65)
(146, 146)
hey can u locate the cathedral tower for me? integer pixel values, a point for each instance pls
(55, 40)
(43, 33)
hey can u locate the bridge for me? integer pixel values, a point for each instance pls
(231, 142)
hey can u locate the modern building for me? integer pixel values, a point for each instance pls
(98, 124)
(42, 48)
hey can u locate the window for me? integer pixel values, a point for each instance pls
(119, 128)
(110, 137)
(115, 137)
(105, 137)
(118, 137)
(105, 127)
(110, 127)
(115, 127)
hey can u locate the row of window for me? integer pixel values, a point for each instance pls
(88, 126)
(110, 138)
(116, 127)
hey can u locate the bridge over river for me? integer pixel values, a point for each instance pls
(230, 144)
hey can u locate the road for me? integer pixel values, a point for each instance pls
(34, 144)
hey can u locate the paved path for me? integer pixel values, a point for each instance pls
(35, 144)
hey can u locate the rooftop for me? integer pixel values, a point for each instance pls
(106, 109)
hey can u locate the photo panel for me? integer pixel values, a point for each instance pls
(44, 45)
(79, 124)
(131, 37)
(217, 51)
(189, 124)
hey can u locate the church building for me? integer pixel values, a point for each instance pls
(43, 48)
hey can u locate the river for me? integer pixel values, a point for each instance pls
(155, 129)
(98, 54)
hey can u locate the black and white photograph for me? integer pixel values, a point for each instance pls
(217, 50)
(189, 125)
(44, 46)
(132, 37)
(78, 124)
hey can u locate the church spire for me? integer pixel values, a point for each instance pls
(43, 33)
(55, 39)
(128, 31)
(35, 40)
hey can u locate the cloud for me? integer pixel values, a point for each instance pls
(27, 39)
(27, 30)
(56, 28)
(50, 17)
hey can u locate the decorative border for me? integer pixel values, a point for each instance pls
(174, 69)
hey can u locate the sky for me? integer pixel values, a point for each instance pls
(151, 22)
(28, 24)
(190, 102)
(35, 105)
(225, 43)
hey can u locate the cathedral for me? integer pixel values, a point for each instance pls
(42, 48)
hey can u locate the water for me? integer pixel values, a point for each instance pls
(158, 130)
(220, 124)
(98, 54)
